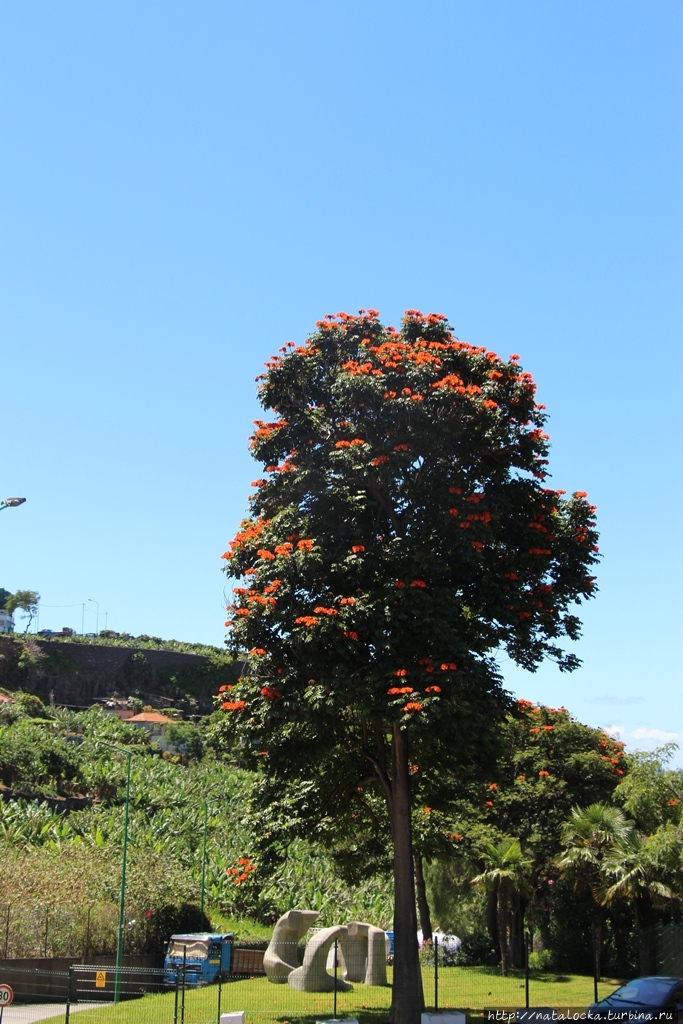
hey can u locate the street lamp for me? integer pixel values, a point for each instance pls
(212, 800)
(122, 898)
(11, 502)
(97, 619)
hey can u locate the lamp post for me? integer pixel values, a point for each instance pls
(122, 897)
(97, 615)
(11, 502)
(212, 800)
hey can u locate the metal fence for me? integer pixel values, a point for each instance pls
(32, 930)
(136, 995)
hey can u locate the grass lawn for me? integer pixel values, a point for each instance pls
(459, 987)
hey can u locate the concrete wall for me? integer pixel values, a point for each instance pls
(77, 674)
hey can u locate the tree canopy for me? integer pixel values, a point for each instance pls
(27, 600)
(402, 535)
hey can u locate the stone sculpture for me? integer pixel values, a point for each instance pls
(280, 959)
(364, 954)
(312, 976)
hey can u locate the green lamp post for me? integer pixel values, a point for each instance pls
(122, 898)
(11, 502)
(212, 800)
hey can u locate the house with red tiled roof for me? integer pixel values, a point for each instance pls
(155, 723)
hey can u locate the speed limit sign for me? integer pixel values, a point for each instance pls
(6, 995)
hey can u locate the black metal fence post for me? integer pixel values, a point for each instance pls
(182, 1004)
(67, 1011)
(87, 934)
(334, 1009)
(220, 988)
(436, 973)
(175, 1004)
(527, 945)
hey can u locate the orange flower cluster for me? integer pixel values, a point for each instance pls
(380, 460)
(357, 548)
(400, 672)
(264, 430)
(418, 583)
(270, 693)
(347, 600)
(258, 652)
(307, 620)
(543, 774)
(284, 549)
(400, 447)
(320, 610)
(412, 707)
(395, 690)
(305, 545)
(488, 403)
(349, 633)
(222, 689)
(241, 873)
(433, 689)
(399, 583)
(494, 785)
(233, 705)
(250, 532)
(265, 554)
(449, 666)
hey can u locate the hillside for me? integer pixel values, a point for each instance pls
(62, 827)
(77, 670)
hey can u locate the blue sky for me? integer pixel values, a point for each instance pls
(185, 187)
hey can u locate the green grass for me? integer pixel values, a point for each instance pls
(264, 1003)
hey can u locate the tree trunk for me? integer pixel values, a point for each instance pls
(492, 917)
(645, 921)
(502, 909)
(422, 903)
(517, 947)
(597, 941)
(407, 1001)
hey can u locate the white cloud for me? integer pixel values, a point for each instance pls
(615, 731)
(662, 735)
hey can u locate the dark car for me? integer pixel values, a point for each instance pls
(642, 999)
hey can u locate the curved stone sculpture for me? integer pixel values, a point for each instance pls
(279, 960)
(312, 976)
(364, 954)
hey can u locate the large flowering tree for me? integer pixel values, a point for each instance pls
(402, 535)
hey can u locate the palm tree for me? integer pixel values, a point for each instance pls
(589, 836)
(505, 874)
(635, 875)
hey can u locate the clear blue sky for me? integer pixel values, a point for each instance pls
(186, 186)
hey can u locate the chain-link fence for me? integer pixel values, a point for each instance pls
(35, 930)
(324, 980)
(30, 930)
